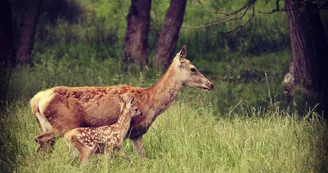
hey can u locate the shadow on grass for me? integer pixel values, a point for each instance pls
(320, 146)
(8, 146)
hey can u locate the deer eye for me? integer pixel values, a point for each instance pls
(193, 70)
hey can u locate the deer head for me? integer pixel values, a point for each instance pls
(188, 73)
(133, 110)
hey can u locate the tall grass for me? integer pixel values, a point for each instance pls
(184, 139)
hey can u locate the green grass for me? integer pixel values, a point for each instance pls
(184, 139)
(234, 128)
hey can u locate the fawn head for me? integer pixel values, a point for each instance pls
(133, 110)
(188, 73)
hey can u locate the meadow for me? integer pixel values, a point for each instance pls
(237, 127)
(246, 124)
(185, 140)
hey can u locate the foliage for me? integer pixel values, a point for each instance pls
(265, 33)
(99, 26)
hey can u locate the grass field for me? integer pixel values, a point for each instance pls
(237, 127)
(184, 139)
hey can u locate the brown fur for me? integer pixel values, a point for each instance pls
(69, 107)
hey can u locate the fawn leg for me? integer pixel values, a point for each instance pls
(138, 144)
(84, 150)
(72, 151)
(124, 154)
(85, 153)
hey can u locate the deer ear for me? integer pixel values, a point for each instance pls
(120, 100)
(131, 101)
(183, 52)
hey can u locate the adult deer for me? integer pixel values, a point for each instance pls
(60, 109)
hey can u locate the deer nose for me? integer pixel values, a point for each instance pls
(211, 86)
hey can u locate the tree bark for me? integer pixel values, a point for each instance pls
(6, 37)
(27, 32)
(309, 48)
(6, 47)
(169, 34)
(136, 39)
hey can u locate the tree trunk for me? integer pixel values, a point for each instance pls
(309, 48)
(6, 46)
(136, 39)
(27, 32)
(169, 34)
(6, 37)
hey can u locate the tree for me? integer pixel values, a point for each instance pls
(6, 47)
(136, 39)
(27, 32)
(169, 34)
(309, 48)
(308, 43)
(6, 37)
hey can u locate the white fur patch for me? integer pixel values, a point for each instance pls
(45, 98)
(44, 123)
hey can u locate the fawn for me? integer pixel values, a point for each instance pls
(88, 140)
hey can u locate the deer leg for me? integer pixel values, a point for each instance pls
(46, 141)
(72, 150)
(39, 125)
(85, 153)
(84, 150)
(125, 155)
(138, 144)
(108, 151)
(43, 122)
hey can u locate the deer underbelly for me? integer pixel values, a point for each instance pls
(101, 119)
(96, 119)
(137, 132)
(140, 126)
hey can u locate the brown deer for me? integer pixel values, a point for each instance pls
(60, 109)
(87, 140)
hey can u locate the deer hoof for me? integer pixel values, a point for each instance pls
(44, 149)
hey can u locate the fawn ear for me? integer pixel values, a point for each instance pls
(131, 101)
(183, 52)
(120, 100)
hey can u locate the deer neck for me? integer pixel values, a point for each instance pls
(123, 124)
(162, 94)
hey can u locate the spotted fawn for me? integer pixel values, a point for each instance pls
(88, 140)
